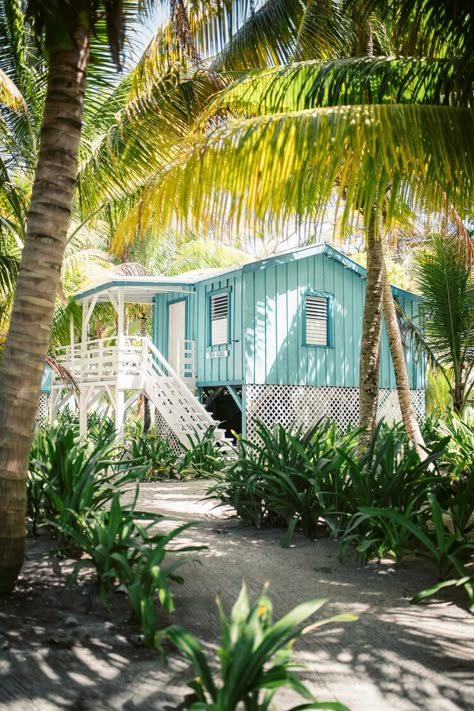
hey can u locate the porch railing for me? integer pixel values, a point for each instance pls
(105, 359)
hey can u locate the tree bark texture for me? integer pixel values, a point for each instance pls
(399, 365)
(371, 330)
(30, 327)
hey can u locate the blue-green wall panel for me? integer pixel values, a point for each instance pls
(267, 340)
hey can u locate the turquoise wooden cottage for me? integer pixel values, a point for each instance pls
(277, 339)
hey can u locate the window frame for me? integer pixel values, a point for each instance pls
(329, 321)
(216, 292)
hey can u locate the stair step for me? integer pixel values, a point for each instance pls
(181, 410)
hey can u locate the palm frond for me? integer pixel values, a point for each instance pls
(376, 80)
(10, 95)
(273, 167)
(411, 330)
(205, 253)
(142, 137)
(427, 27)
(445, 279)
(63, 373)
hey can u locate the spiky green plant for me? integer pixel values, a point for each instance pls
(254, 656)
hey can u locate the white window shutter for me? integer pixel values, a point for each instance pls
(316, 320)
(219, 318)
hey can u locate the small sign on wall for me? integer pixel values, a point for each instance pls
(216, 354)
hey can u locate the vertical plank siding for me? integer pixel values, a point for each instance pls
(266, 336)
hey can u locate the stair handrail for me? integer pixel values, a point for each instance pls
(183, 388)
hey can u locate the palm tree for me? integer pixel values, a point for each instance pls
(446, 282)
(384, 132)
(75, 37)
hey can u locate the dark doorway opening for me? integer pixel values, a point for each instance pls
(223, 407)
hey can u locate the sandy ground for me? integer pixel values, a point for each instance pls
(63, 650)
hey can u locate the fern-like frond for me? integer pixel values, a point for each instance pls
(445, 278)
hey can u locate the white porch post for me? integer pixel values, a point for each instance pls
(119, 414)
(85, 322)
(83, 400)
(119, 393)
(120, 316)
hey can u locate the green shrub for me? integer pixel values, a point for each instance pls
(458, 446)
(202, 459)
(68, 476)
(273, 480)
(389, 474)
(123, 549)
(100, 428)
(155, 454)
(254, 656)
(148, 580)
(111, 538)
(445, 548)
(301, 478)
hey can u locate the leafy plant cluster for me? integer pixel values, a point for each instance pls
(100, 427)
(67, 476)
(254, 656)
(201, 459)
(75, 489)
(382, 500)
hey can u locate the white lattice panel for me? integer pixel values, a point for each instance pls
(389, 407)
(303, 405)
(42, 416)
(165, 432)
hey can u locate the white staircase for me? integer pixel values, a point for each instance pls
(135, 364)
(182, 411)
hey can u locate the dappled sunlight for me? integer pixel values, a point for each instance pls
(394, 656)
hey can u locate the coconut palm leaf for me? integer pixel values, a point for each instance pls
(231, 34)
(10, 95)
(205, 253)
(367, 80)
(141, 138)
(273, 167)
(444, 277)
(427, 27)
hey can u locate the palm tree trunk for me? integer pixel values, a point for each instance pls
(371, 330)
(28, 339)
(400, 368)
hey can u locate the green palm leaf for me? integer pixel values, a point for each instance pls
(368, 80)
(273, 167)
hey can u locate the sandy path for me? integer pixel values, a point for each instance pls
(396, 656)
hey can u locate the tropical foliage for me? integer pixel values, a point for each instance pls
(446, 331)
(254, 656)
(381, 501)
(75, 490)
(68, 477)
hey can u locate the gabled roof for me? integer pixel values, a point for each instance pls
(142, 289)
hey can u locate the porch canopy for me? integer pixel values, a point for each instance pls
(122, 290)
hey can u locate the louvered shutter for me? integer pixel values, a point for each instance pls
(219, 318)
(316, 320)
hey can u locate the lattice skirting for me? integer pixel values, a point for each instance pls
(42, 416)
(165, 432)
(304, 405)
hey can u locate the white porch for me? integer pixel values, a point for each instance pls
(120, 368)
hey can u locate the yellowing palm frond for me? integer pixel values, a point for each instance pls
(206, 253)
(10, 95)
(272, 167)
